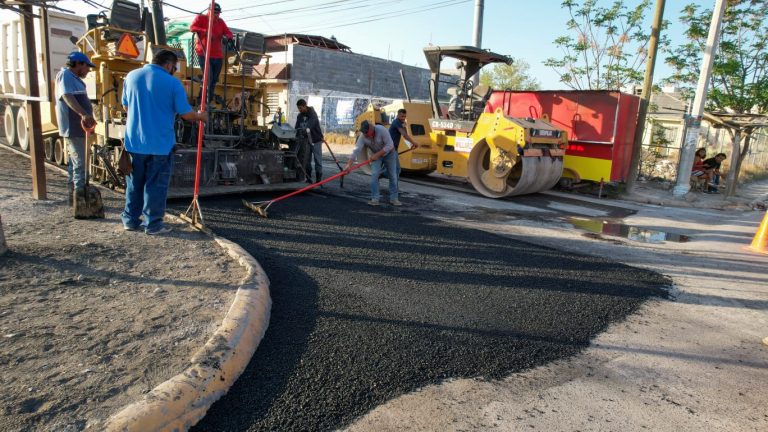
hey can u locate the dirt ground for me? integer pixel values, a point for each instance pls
(92, 317)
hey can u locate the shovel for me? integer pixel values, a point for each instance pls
(88, 203)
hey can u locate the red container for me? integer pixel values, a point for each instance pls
(600, 124)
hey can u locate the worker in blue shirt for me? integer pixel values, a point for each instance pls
(74, 114)
(152, 97)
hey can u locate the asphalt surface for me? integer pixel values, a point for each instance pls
(370, 303)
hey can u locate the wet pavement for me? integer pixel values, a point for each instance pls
(370, 303)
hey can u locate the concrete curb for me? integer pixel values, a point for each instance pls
(180, 402)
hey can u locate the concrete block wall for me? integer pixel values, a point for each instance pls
(357, 73)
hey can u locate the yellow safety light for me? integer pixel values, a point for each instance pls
(126, 47)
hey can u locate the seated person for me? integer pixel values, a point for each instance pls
(712, 167)
(699, 172)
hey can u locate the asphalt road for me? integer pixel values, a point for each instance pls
(370, 303)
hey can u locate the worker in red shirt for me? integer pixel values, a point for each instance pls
(215, 56)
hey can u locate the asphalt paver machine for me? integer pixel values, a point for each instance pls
(238, 154)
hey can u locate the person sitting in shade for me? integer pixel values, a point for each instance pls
(712, 167)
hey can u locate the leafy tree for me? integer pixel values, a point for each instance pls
(738, 86)
(607, 47)
(515, 76)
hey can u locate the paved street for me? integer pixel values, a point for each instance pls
(371, 303)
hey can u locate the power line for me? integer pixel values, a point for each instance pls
(333, 9)
(394, 14)
(285, 11)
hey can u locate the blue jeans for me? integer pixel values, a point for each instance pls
(390, 161)
(76, 166)
(317, 155)
(146, 191)
(213, 75)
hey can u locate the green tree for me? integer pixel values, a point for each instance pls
(515, 76)
(607, 47)
(738, 86)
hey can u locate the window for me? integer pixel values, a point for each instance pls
(417, 129)
(273, 101)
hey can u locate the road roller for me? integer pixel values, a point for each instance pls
(498, 154)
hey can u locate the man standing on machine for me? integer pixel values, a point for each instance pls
(215, 56)
(75, 114)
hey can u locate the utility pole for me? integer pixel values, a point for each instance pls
(693, 122)
(645, 98)
(477, 34)
(36, 151)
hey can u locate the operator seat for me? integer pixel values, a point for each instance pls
(481, 94)
(123, 15)
(252, 47)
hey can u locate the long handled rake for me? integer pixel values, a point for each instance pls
(261, 207)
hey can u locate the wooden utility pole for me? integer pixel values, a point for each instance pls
(36, 151)
(645, 98)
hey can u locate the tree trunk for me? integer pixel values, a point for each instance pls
(3, 246)
(733, 172)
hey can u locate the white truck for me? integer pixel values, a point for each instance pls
(14, 81)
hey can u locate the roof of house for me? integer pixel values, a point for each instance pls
(274, 41)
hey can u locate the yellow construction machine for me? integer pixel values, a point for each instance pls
(238, 154)
(499, 155)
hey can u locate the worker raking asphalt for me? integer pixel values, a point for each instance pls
(370, 303)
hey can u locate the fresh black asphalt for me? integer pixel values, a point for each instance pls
(371, 303)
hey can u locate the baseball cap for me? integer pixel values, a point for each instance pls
(216, 7)
(77, 56)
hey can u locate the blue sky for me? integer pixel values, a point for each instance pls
(399, 29)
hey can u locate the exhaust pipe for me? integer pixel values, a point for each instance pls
(158, 22)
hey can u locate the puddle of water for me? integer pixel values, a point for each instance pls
(630, 232)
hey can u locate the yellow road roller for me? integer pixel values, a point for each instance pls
(499, 155)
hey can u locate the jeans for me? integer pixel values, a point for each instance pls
(76, 167)
(213, 75)
(390, 160)
(146, 191)
(317, 155)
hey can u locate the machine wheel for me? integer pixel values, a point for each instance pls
(508, 176)
(58, 151)
(22, 128)
(9, 122)
(493, 183)
(48, 146)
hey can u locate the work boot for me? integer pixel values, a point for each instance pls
(71, 194)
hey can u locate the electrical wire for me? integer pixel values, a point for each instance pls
(333, 9)
(286, 11)
(390, 15)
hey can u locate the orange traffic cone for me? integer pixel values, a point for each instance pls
(760, 242)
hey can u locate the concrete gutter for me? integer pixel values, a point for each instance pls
(180, 402)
